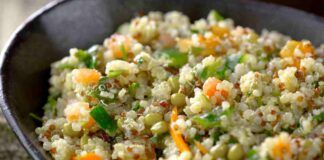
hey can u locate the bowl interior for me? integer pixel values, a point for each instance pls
(81, 23)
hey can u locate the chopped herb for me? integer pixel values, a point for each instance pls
(104, 120)
(319, 117)
(232, 140)
(66, 65)
(140, 60)
(208, 120)
(132, 87)
(174, 57)
(85, 57)
(34, 116)
(124, 53)
(196, 50)
(216, 16)
(50, 106)
(136, 106)
(114, 73)
(229, 111)
(194, 31)
(216, 69)
(252, 155)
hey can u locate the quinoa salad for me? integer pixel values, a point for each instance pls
(164, 88)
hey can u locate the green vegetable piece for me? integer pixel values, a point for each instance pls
(89, 60)
(36, 117)
(216, 15)
(174, 58)
(114, 73)
(208, 120)
(50, 106)
(136, 106)
(216, 69)
(244, 58)
(196, 50)
(252, 155)
(124, 53)
(319, 117)
(132, 87)
(104, 120)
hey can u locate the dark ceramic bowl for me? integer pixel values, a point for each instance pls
(47, 36)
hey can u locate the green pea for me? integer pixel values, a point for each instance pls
(174, 83)
(152, 118)
(219, 151)
(178, 99)
(67, 130)
(236, 152)
(160, 128)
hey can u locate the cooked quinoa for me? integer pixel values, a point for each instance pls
(164, 88)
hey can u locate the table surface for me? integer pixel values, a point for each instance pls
(13, 12)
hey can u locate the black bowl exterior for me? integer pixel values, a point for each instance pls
(48, 35)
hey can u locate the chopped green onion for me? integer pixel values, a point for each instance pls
(208, 120)
(252, 155)
(140, 60)
(114, 73)
(85, 57)
(196, 50)
(194, 31)
(216, 69)
(136, 106)
(104, 120)
(124, 53)
(216, 16)
(34, 116)
(319, 117)
(174, 57)
(50, 106)
(132, 87)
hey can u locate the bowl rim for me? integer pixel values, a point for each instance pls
(11, 120)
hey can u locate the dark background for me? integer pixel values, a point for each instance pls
(312, 6)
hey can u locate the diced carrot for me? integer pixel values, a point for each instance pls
(306, 47)
(90, 156)
(86, 76)
(53, 150)
(281, 148)
(210, 85)
(119, 45)
(201, 148)
(184, 45)
(73, 113)
(288, 51)
(210, 44)
(220, 31)
(90, 123)
(176, 136)
(210, 90)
